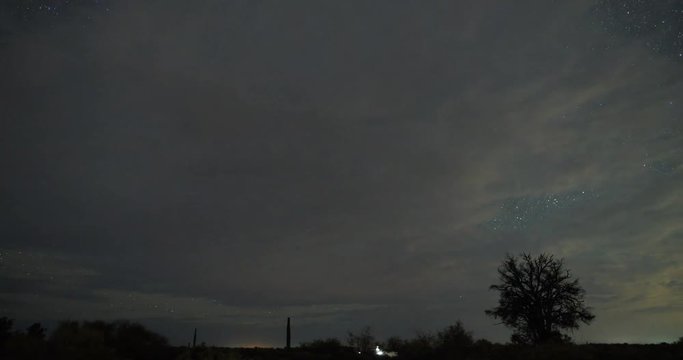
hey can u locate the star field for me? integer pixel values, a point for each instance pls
(658, 25)
(521, 213)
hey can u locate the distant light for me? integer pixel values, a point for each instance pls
(380, 352)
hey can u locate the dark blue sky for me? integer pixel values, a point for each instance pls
(227, 164)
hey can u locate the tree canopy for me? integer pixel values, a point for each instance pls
(539, 299)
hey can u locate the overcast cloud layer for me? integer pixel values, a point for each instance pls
(226, 164)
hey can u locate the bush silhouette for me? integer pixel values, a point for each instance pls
(36, 331)
(5, 330)
(101, 340)
(454, 336)
(326, 346)
(454, 341)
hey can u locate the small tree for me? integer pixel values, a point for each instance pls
(420, 347)
(454, 336)
(5, 329)
(36, 331)
(453, 341)
(6, 325)
(393, 343)
(539, 299)
(363, 342)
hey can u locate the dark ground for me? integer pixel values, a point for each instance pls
(493, 351)
(123, 340)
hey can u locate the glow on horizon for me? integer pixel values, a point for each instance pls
(250, 345)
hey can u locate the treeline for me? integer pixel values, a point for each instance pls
(121, 340)
(74, 340)
(454, 342)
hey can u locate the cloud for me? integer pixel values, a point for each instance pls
(279, 156)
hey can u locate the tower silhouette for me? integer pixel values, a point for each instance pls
(289, 335)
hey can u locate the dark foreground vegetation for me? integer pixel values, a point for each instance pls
(480, 351)
(539, 300)
(130, 341)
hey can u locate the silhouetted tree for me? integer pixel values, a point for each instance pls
(420, 347)
(539, 299)
(394, 343)
(362, 342)
(70, 340)
(483, 343)
(36, 331)
(134, 341)
(5, 333)
(5, 329)
(104, 340)
(454, 338)
(25, 345)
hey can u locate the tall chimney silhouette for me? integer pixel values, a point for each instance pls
(289, 335)
(194, 338)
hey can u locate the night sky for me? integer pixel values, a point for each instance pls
(226, 164)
